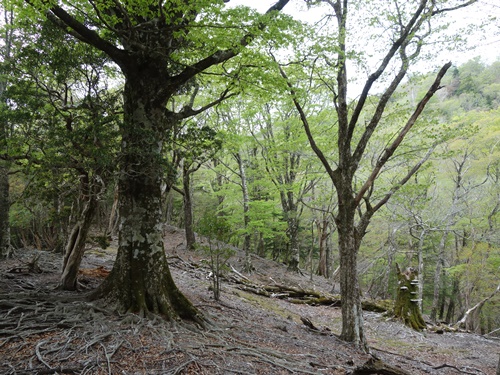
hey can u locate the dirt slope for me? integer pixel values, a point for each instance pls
(43, 331)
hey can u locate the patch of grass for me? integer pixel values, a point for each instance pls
(267, 304)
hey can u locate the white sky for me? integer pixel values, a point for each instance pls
(487, 46)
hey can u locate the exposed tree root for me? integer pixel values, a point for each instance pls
(79, 337)
(377, 366)
(477, 371)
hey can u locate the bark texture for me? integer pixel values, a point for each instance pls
(75, 245)
(4, 212)
(188, 209)
(140, 281)
(349, 242)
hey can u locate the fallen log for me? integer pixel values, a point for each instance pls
(310, 297)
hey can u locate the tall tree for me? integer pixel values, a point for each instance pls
(407, 26)
(286, 165)
(6, 48)
(159, 47)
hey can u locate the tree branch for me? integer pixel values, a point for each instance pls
(305, 124)
(404, 180)
(188, 111)
(64, 20)
(223, 55)
(383, 65)
(388, 152)
(466, 4)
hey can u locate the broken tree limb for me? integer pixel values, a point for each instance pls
(467, 320)
(307, 322)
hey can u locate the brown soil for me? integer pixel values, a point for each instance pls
(44, 331)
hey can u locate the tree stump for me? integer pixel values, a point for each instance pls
(406, 306)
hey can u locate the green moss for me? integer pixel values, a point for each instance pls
(267, 304)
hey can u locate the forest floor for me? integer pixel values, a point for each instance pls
(45, 331)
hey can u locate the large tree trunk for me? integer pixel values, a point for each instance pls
(140, 281)
(4, 212)
(75, 245)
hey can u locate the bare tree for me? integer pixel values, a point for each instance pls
(356, 202)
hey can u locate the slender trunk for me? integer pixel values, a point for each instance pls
(5, 246)
(392, 249)
(437, 275)
(8, 37)
(188, 209)
(323, 250)
(293, 237)
(113, 217)
(421, 239)
(75, 246)
(349, 242)
(453, 297)
(140, 281)
(246, 218)
(260, 248)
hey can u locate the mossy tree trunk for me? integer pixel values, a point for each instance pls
(140, 281)
(406, 306)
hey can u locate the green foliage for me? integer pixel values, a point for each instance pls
(218, 233)
(64, 118)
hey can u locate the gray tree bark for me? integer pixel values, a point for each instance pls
(140, 281)
(75, 245)
(246, 208)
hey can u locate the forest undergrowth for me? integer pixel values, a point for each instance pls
(46, 331)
